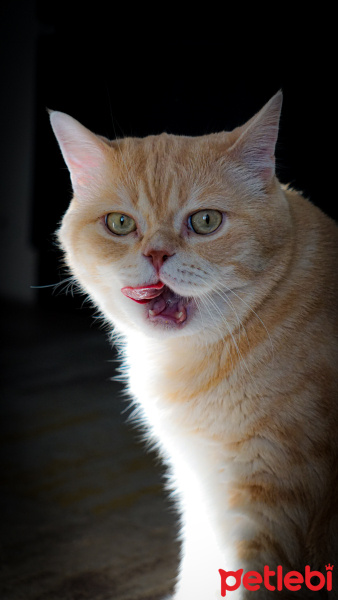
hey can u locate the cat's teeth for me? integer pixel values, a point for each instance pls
(158, 307)
(162, 306)
(181, 315)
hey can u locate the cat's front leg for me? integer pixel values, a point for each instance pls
(212, 570)
(201, 558)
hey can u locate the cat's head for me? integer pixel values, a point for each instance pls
(174, 235)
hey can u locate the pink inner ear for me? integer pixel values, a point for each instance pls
(85, 169)
(82, 151)
(82, 160)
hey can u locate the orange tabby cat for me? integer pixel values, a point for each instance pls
(222, 284)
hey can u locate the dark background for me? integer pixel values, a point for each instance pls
(122, 72)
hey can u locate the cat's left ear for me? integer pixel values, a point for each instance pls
(84, 152)
(255, 142)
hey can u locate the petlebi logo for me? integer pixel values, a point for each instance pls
(292, 580)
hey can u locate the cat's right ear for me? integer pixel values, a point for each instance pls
(84, 153)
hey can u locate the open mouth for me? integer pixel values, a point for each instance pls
(162, 303)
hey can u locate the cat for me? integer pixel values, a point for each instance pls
(222, 285)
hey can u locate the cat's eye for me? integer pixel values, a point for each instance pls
(205, 221)
(119, 223)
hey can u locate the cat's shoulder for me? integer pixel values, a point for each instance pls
(309, 218)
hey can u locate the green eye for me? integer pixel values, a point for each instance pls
(205, 221)
(119, 223)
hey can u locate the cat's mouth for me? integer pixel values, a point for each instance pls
(162, 303)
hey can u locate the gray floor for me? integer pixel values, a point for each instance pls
(83, 514)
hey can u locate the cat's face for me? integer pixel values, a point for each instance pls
(170, 235)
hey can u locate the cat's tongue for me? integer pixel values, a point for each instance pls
(163, 303)
(143, 293)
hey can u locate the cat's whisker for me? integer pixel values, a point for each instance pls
(241, 326)
(69, 284)
(201, 315)
(233, 340)
(227, 300)
(219, 286)
(213, 318)
(224, 320)
(256, 315)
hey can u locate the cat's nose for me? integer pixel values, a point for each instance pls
(158, 257)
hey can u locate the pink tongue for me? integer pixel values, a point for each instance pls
(143, 293)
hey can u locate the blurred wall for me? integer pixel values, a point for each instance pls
(18, 45)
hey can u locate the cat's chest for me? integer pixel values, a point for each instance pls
(185, 397)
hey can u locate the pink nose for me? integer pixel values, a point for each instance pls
(158, 257)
